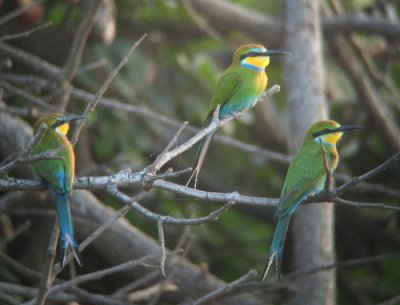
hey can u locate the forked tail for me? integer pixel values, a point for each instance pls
(275, 253)
(67, 234)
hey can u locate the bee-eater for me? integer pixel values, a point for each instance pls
(59, 175)
(306, 175)
(238, 88)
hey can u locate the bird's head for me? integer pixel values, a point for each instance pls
(328, 132)
(255, 56)
(57, 121)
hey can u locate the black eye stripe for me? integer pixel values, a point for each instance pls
(250, 54)
(322, 132)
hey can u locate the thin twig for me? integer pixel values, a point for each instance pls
(8, 299)
(92, 105)
(173, 266)
(47, 155)
(15, 234)
(8, 163)
(167, 148)
(225, 289)
(341, 264)
(356, 180)
(140, 282)
(46, 281)
(96, 275)
(201, 22)
(163, 255)
(92, 298)
(370, 205)
(392, 301)
(33, 99)
(78, 44)
(25, 33)
(113, 190)
(92, 66)
(36, 276)
(29, 292)
(144, 262)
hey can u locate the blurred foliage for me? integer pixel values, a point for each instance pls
(176, 78)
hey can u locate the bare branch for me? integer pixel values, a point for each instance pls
(78, 45)
(345, 263)
(92, 105)
(46, 281)
(165, 219)
(25, 33)
(392, 301)
(380, 168)
(15, 234)
(225, 289)
(33, 99)
(97, 275)
(163, 255)
(36, 276)
(167, 148)
(215, 123)
(369, 94)
(11, 161)
(366, 204)
(142, 111)
(30, 60)
(8, 299)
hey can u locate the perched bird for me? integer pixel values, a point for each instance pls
(307, 175)
(59, 175)
(238, 88)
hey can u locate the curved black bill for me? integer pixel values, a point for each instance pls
(70, 118)
(276, 52)
(345, 128)
(67, 119)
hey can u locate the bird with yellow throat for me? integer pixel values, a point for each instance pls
(59, 175)
(238, 89)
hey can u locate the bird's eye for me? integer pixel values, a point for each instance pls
(321, 132)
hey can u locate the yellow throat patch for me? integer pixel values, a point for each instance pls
(259, 62)
(63, 129)
(332, 138)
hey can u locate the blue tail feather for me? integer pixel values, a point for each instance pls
(67, 234)
(275, 253)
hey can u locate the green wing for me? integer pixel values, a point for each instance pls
(228, 85)
(57, 173)
(305, 176)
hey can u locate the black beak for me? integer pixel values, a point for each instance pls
(276, 52)
(345, 128)
(67, 119)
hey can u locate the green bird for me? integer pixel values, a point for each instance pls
(307, 174)
(238, 89)
(59, 175)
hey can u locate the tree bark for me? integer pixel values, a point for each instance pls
(312, 226)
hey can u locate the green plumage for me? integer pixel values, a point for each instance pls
(239, 88)
(50, 170)
(59, 175)
(307, 173)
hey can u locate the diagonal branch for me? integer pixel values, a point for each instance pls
(91, 106)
